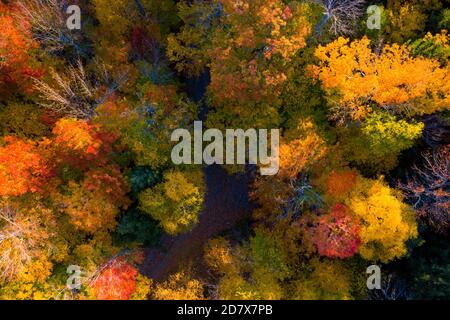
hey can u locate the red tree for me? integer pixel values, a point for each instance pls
(336, 235)
(116, 282)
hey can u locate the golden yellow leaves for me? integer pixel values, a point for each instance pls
(392, 80)
(329, 280)
(439, 38)
(386, 222)
(179, 286)
(177, 186)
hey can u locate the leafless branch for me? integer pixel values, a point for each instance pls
(48, 20)
(16, 242)
(428, 189)
(341, 15)
(72, 94)
(391, 289)
(75, 94)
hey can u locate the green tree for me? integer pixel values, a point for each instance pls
(176, 202)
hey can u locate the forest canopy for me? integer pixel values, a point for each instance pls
(92, 206)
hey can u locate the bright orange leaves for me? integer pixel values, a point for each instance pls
(16, 69)
(93, 203)
(298, 154)
(22, 168)
(339, 184)
(76, 155)
(79, 144)
(24, 165)
(76, 136)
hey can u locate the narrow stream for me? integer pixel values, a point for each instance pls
(226, 205)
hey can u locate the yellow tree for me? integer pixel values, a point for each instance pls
(179, 286)
(386, 222)
(357, 80)
(30, 245)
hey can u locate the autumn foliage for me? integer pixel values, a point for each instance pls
(337, 233)
(339, 184)
(17, 67)
(116, 282)
(392, 80)
(298, 154)
(92, 201)
(22, 168)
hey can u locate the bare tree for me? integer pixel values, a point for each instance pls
(392, 289)
(48, 20)
(73, 94)
(19, 238)
(428, 189)
(76, 94)
(341, 15)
